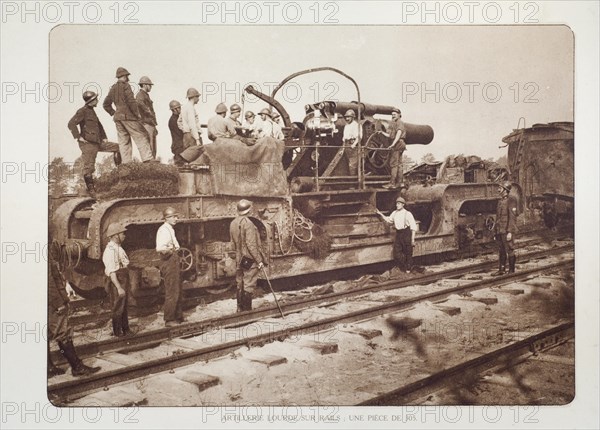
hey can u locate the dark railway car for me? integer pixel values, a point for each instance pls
(314, 216)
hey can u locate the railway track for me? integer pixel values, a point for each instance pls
(74, 388)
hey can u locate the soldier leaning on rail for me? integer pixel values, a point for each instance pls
(396, 132)
(91, 138)
(127, 118)
(59, 328)
(167, 247)
(115, 267)
(505, 229)
(146, 107)
(406, 228)
(249, 255)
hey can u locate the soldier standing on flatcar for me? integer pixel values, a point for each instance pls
(176, 133)
(505, 229)
(59, 328)
(234, 114)
(167, 247)
(277, 128)
(147, 111)
(127, 118)
(267, 123)
(351, 137)
(219, 126)
(249, 255)
(91, 138)
(115, 267)
(406, 228)
(396, 132)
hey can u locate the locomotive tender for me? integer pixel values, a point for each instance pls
(312, 194)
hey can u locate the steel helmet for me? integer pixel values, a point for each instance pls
(122, 71)
(244, 206)
(401, 200)
(192, 92)
(235, 108)
(506, 185)
(265, 111)
(169, 211)
(351, 113)
(145, 80)
(89, 96)
(174, 104)
(249, 114)
(275, 115)
(114, 228)
(221, 108)
(396, 110)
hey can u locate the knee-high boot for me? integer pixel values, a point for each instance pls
(77, 367)
(511, 263)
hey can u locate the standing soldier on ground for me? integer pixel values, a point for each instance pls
(351, 137)
(505, 229)
(406, 228)
(91, 138)
(115, 267)
(147, 111)
(59, 328)
(219, 126)
(167, 247)
(396, 132)
(127, 118)
(249, 255)
(176, 133)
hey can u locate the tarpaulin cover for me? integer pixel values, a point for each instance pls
(242, 170)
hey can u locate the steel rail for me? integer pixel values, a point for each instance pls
(503, 357)
(68, 389)
(197, 328)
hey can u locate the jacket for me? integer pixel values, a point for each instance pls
(127, 108)
(176, 135)
(506, 216)
(90, 127)
(246, 240)
(146, 108)
(57, 296)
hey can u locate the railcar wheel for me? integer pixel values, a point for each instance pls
(186, 259)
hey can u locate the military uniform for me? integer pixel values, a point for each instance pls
(148, 117)
(506, 222)
(85, 123)
(220, 127)
(167, 245)
(176, 135)
(115, 261)
(397, 150)
(246, 240)
(128, 121)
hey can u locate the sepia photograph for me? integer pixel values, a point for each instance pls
(276, 215)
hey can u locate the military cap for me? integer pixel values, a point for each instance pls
(351, 113)
(145, 80)
(400, 199)
(122, 71)
(115, 228)
(265, 111)
(221, 108)
(396, 110)
(89, 96)
(174, 104)
(235, 108)
(249, 114)
(192, 92)
(169, 211)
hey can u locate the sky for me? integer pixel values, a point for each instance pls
(470, 83)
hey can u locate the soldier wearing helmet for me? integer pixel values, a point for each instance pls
(127, 119)
(147, 110)
(176, 132)
(351, 137)
(115, 267)
(167, 247)
(396, 133)
(505, 228)
(251, 124)
(188, 121)
(91, 138)
(406, 229)
(235, 111)
(266, 123)
(249, 255)
(218, 126)
(277, 128)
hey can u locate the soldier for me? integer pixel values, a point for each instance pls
(188, 121)
(218, 126)
(127, 118)
(351, 137)
(505, 229)
(396, 132)
(249, 255)
(266, 124)
(234, 114)
(167, 247)
(251, 124)
(91, 138)
(406, 228)
(147, 111)
(277, 130)
(59, 328)
(115, 267)
(176, 133)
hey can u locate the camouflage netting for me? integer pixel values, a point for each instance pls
(138, 180)
(242, 170)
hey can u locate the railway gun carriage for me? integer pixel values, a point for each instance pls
(314, 214)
